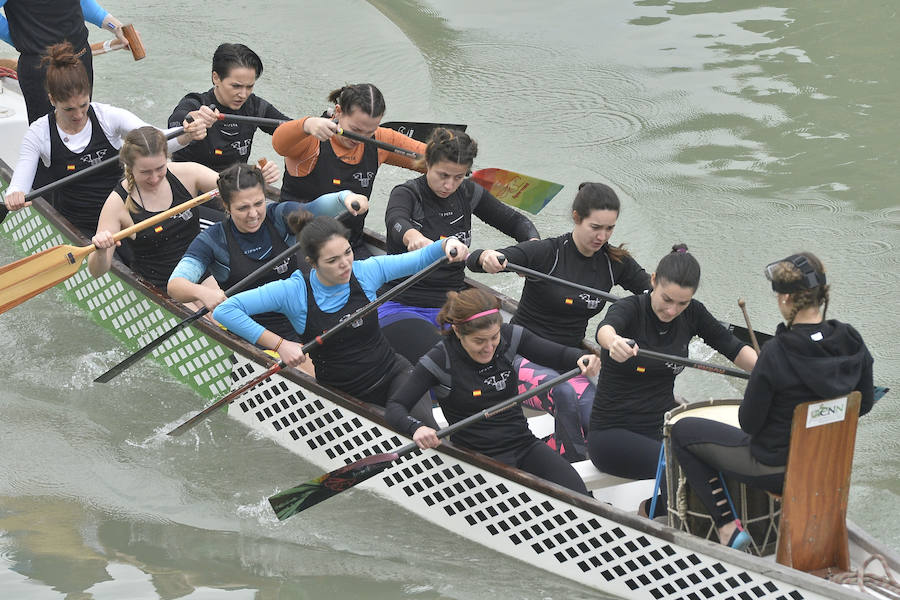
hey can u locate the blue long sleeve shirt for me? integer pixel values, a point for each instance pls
(288, 296)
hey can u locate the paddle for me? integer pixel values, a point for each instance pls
(33, 274)
(753, 340)
(318, 341)
(297, 499)
(690, 362)
(135, 44)
(522, 191)
(238, 287)
(53, 186)
(740, 332)
(419, 131)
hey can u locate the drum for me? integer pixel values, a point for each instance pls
(754, 507)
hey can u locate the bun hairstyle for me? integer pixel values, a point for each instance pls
(786, 274)
(461, 307)
(363, 96)
(450, 145)
(313, 232)
(679, 267)
(230, 56)
(237, 177)
(599, 196)
(66, 76)
(139, 143)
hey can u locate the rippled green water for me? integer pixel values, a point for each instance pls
(747, 130)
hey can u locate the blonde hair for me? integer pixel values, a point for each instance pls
(139, 143)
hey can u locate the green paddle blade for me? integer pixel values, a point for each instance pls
(297, 499)
(522, 191)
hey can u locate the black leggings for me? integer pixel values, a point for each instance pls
(704, 448)
(540, 459)
(624, 453)
(387, 386)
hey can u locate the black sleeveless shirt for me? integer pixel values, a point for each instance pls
(356, 358)
(158, 249)
(81, 201)
(241, 265)
(36, 24)
(331, 174)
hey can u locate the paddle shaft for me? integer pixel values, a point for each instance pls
(753, 341)
(306, 348)
(420, 131)
(299, 498)
(610, 297)
(689, 362)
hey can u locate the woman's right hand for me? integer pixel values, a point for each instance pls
(621, 349)
(360, 200)
(16, 200)
(290, 353)
(211, 297)
(492, 261)
(320, 127)
(104, 240)
(426, 437)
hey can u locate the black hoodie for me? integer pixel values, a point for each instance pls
(806, 362)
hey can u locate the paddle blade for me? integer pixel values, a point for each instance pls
(297, 499)
(420, 131)
(522, 191)
(28, 277)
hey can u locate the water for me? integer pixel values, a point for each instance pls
(748, 130)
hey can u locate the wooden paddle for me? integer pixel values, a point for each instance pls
(135, 44)
(739, 332)
(238, 287)
(33, 274)
(318, 341)
(753, 340)
(297, 499)
(420, 131)
(518, 190)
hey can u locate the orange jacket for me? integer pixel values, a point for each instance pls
(301, 150)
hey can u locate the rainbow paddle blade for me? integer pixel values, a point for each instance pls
(522, 191)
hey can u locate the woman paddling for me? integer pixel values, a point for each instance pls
(472, 369)
(235, 69)
(254, 232)
(318, 161)
(560, 313)
(151, 185)
(634, 393)
(436, 205)
(359, 360)
(809, 358)
(75, 135)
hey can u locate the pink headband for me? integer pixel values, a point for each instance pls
(481, 314)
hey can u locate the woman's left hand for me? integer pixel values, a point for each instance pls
(462, 251)
(592, 369)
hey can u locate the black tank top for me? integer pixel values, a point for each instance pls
(158, 249)
(241, 265)
(36, 24)
(81, 201)
(331, 174)
(357, 357)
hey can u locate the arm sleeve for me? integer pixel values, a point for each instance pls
(547, 353)
(714, 334)
(866, 386)
(93, 12)
(331, 204)
(633, 277)
(504, 218)
(29, 155)
(290, 141)
(4, 27)
(757, 397)
(270, 112)
(374, 272)
(395, 138)
(525, 254)
(189, 103)
(620, 315)
(287, 296)
(196, 260)
(396, 413)
(398, 214)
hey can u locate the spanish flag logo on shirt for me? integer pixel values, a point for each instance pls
(569, 300)
(640, 369)
(70, 167)
(217, 152)
(476, 393)
(336, 181)
(158, 229)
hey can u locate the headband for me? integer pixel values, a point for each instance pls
(481, 314)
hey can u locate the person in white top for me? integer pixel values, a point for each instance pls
(77, 134)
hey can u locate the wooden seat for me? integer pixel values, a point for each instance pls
(812, 535)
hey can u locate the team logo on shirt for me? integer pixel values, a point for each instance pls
(185, 216)
(590, 301)
(498, 382)
(364, 180)
(357, 323)
(283, 267)
(92, 158)
(242, 146)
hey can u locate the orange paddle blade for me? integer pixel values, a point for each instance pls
(28, 277)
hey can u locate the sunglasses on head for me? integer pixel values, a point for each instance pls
(810, 277)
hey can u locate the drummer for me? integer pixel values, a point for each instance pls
(810, 358)
(633, 394)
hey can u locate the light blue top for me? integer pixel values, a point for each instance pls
(93, 13)
(288, 296)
